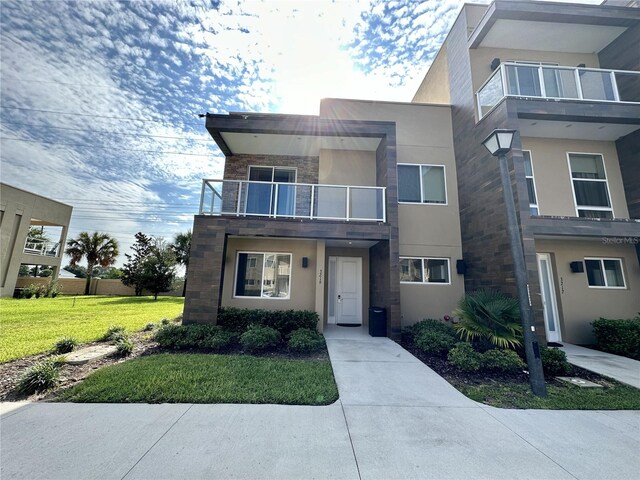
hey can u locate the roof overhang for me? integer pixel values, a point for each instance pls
(551, 26)
(300, 135)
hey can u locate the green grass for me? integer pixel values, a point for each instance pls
(614, 396)
(30, 326)
(201, 378)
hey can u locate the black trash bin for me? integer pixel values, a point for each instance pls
(377, 322)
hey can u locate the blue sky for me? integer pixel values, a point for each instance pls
(99, 99)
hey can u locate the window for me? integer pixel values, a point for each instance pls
(267, 198)
(424, 270)
(531, 186)
(590, 189)
(263, 275)
(604, 272)
(421, 184)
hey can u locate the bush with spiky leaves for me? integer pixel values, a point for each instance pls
(489, 315)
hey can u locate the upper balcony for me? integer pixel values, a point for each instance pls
(245, 198)
(557, 83)
(38, 246)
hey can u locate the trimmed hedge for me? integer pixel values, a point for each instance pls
(621, 337)
(258, 338)
(433, 336)
(179, 337)
(554, 362)
(305, 340)
(284, 321)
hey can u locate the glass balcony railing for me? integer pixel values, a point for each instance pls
(558, 83)
(293, 200)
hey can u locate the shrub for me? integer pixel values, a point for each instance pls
(284, 321)
(149, 327)
(220, 340)
(166, 321)
(501, 360)
(114, 332)
(465, 357)
(620, 337)
(554, 362)
(489, 315)
(194, 336)
(258, 338)
(65, 345)
(41, 376)
(124, 346)
(433, 336)
(305, 340)
(53, 289)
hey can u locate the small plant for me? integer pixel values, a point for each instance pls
(113, 333)
(304, 340)
(501, 360)
(150, 327)
(41, 376)
(554, 362)
(465, 357)
(489, 315)
(124, 346)
(65, 345)
(166, 321)
(53, 289)
(620, 337)
(259, 338)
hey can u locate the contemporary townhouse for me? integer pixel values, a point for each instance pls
(399, 205)
(352, 208)
(567, 79)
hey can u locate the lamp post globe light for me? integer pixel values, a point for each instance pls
(499, 143)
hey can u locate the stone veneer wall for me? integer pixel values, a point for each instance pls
(236, 167)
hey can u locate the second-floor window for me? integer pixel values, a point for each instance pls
(590, 188)
(421, 184)
(269, 199)
(531, 186)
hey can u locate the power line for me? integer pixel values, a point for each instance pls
(158, 152)
(102, 132)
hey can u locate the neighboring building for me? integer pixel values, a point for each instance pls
(359, 206)
(567, 77)
(20, 210)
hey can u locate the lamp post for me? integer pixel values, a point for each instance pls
(499, 143)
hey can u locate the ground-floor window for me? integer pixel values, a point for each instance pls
(424, 270)
(604, 272)
(263, 275)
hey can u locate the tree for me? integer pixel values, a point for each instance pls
(24, 271)
(158, 269)
(132, 269)
(181, 248)
(37, 233)
(98, 248)
(78, 270)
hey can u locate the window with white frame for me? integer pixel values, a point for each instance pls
(531, 186)
(604, 272)
(424, 270)
(263, 275)
(590, 188)
(421, 184)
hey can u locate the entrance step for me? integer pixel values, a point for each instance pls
(89, 354)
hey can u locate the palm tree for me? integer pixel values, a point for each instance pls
(98, 248)
(181, 248)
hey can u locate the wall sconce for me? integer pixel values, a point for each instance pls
(461, 267)
(305, 262)
(495, 63)
(576, 267)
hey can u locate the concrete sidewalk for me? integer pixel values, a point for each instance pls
(623, 369)
(395, 419)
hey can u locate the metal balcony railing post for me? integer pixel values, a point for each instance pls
(347, 205)
(614, 86)
(239, 198)
(204, 183)
(313, 192)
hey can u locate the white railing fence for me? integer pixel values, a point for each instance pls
(38, 246)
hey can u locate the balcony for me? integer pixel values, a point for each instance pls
(37, 246)
(293, 200)
(522, 80)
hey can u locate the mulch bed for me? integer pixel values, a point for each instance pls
(144, 344)
(456, 376)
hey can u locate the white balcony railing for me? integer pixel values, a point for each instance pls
(293, 200)
(557, 83)
(37, 246)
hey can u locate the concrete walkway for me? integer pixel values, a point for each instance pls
(395, 419)
(623, 369)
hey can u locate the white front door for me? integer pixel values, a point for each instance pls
(549, 305)
(345, 290)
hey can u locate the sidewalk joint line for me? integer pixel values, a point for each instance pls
(346, 422)
(156, 442)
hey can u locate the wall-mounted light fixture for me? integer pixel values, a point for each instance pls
(305, 262)
(461, 267)
(495, 63)
(576, 267)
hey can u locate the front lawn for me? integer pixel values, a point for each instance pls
(201, 378)
(31, 326)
